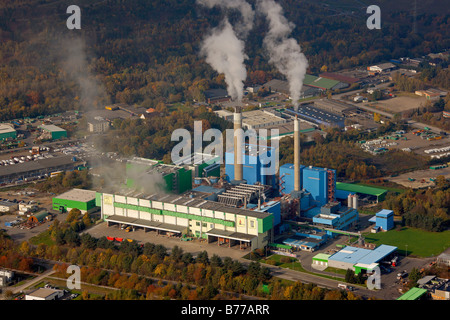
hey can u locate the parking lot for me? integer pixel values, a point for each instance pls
(193, 246)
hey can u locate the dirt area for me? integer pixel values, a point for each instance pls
(417, 144)
(422, 178)
(400, 103)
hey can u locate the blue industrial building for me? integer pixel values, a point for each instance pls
(321, 183)
(334, 215)
(273, 207)
(286, 180)
(385, 219)
(359, 259)
(253, 165)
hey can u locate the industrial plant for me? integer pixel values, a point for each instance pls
(242, 206)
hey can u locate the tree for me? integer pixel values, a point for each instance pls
(202, 257)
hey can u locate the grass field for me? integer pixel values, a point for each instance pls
(418, 242)
(43, 237)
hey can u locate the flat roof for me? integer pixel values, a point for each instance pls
(195, 202)
(7, 203)
(4, 128)
(321, 256)
(373, 191)
(260, 117)
(413, 294)
(356, 255)
(36, 165)
(75, 194)
(51, 128)
(43, 292)
(385, 213)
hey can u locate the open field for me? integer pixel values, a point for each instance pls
(418, 242)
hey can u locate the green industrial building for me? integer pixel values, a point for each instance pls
(83, 200)
(53, 131)
(378, 193)
(147, 175)
(186, 216)
(7, 132)
(413, 294)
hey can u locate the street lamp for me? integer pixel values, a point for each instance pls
(406, 254)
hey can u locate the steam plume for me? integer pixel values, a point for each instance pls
(225, 53)
(285, 53)
(242, 27)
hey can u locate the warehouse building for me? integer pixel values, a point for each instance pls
(7, 206)
(37, 168)
(7, 132)
(180, 215)
(40, 217)
(83, 200)
(317, 116)
(216, 96)
(413, 294)
(360, 259)
(323, 83)
(44, 294)
(52, 132)
(258, 119)
(281, 86)
(334, 106)
(369, 193)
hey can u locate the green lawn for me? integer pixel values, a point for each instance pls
(420, 243)
(43, 237)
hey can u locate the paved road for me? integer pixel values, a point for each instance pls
(31, 282)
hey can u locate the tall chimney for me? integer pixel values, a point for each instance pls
(296, 154)
(238, 148)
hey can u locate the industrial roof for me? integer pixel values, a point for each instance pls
(36, 165)
(385, 213)
(319, 82)
(360, 189)
(51, 128)
(196, 203)
(260, 118)
(321, 256)
(338, 77)
(77, 195)
(7, 204)
(413, 294)
(5, 128)
(356, 255)
(43, 292)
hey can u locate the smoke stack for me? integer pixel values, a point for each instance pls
(238, 167)
(296, 154)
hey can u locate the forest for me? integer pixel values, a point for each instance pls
(150, 271)
(145, 53)
(424, 209)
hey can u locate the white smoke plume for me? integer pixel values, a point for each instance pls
(285, 53)
(74, 62)
(242, 27)
(225, 53)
